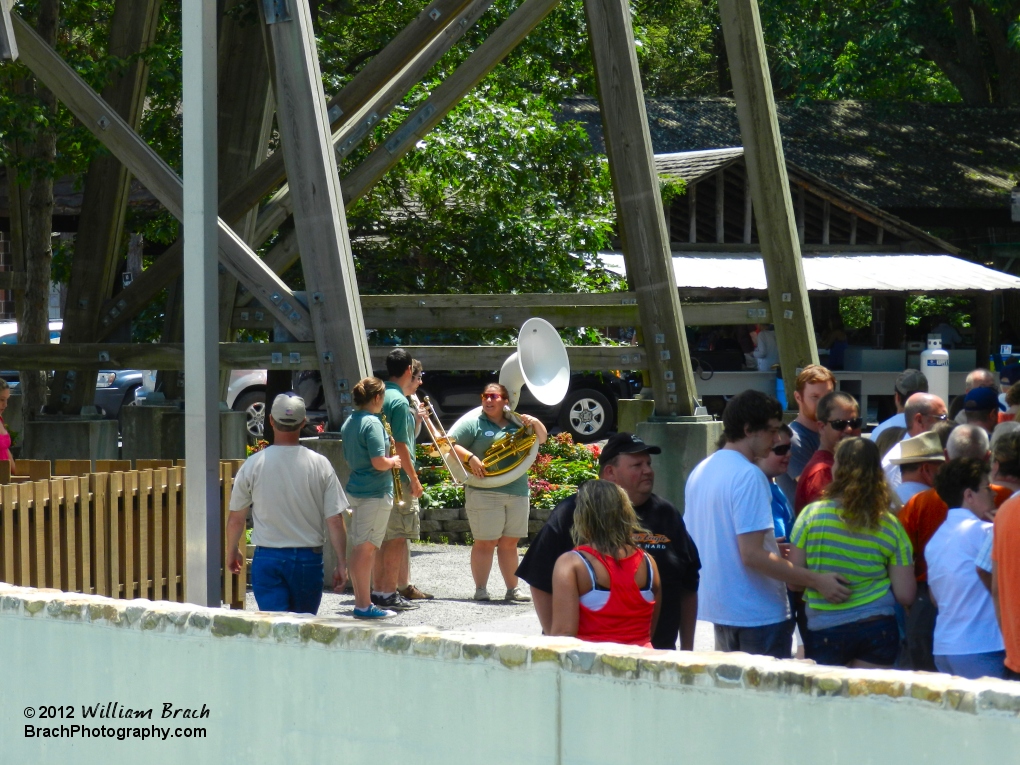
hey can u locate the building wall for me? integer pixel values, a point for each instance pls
(299, 689)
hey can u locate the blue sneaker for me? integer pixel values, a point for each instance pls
(373, 612)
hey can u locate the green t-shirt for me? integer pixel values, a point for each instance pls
(862, 556)
(398, 414)
(477, 435)
(364, 438)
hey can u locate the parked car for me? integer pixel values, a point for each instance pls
(587, 412)
(115, 389)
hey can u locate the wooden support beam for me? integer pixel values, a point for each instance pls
(377, 72)
(770, 188)
(431, 38)
(642, 229)
(295, 356)
(319, 219)
(826, 220)
(8, 42)
(692, 213)
(407, 315)
(355, 126)
(528, 15)
(154, 173)
(748, 211)
(97, 252)
(853, 228)
(720, 206)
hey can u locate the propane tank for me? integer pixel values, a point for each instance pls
(935, 365)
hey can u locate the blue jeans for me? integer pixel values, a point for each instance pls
(768, 640)
(973, 665)
(287, 579)
(876, 641)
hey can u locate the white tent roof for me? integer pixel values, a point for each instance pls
(856, 272)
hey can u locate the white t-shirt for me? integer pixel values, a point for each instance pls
(291, 490)
(727, 495)
(966, 622)
(908, 489)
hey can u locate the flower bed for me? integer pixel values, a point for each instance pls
(560, 466)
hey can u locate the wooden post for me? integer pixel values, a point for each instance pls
(326, 258)
(826, 220)
(692, 213)
(748, 211)
(770, 188)
(106, 125)
(983, 327)
(639, 205)
(439, 38)
(720, 206)
(104, 203)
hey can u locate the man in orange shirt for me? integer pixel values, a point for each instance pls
(1006, 555)
(921, 518)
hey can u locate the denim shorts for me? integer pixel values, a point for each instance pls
(875, 640)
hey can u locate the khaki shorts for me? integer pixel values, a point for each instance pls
(406, 523)
(368, 519)
(493, 514)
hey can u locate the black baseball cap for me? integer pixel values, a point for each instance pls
(911, 381)
(625, 443)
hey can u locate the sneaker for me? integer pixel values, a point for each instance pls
(413, 593)
(481, 594)
(394, 602)
(373, 612)
(514, 595)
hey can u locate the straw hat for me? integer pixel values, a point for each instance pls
(923, 448)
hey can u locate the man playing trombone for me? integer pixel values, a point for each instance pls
(405, 522)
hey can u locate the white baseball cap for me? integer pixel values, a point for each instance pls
(288, 410)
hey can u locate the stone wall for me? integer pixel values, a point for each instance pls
(287, 688)
(451, 524)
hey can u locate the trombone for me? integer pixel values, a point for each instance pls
(442, 442)
(398, 491)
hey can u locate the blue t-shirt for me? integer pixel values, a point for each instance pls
(782, 513)
(364, 438)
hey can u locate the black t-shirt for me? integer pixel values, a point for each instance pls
(667, 541)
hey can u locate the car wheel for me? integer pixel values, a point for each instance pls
(586, 415)
(253, 404)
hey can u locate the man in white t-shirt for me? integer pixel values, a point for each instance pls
(909, 382)
(295, 497)
(729, 516)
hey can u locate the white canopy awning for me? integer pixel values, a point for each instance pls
(855, 272)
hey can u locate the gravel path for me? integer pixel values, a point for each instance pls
(444, 570)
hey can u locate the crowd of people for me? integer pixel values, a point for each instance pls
(899, 548)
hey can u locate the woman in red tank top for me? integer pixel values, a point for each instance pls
(605, 590)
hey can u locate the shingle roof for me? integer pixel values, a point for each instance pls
(893, 155)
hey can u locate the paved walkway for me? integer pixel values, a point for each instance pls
(444, 570)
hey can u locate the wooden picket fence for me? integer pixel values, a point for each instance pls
(119, 534)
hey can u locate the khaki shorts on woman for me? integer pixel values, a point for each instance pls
(369, 519)
(493, 514)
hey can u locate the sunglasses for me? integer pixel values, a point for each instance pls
(492, 397)
(939, 417)
(419, 376)
(782, 450)
(855, 423)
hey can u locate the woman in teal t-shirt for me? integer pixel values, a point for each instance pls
(498, 516)
(369, 490)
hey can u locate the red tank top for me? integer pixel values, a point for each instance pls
(626, 617)
(5, 444)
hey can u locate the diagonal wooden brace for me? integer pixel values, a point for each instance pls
(150, 169)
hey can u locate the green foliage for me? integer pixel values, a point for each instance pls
(855, 311)
(442, 495)
(954, 309)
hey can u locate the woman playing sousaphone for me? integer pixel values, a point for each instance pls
(498, 516)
